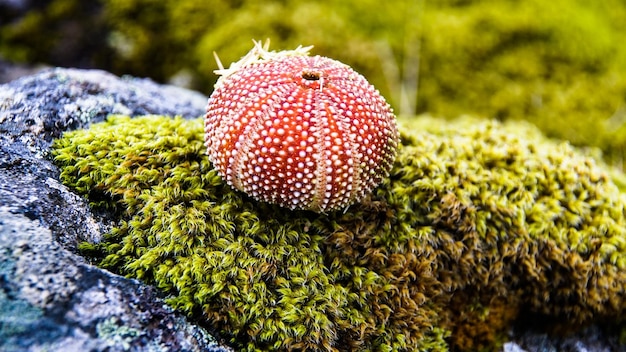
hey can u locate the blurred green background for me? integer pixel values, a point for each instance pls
(559, 64)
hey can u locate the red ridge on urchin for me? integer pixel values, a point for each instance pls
(298, 131)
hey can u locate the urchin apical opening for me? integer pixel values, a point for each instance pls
(311, 75)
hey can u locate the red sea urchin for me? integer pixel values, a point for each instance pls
(304, 132)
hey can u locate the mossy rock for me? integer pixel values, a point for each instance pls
(478, 224)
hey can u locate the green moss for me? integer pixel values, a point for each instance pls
(478, 223)
(524, 60)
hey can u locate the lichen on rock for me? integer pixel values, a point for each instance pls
(477, 224)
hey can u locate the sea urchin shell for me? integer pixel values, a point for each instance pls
(304, 132)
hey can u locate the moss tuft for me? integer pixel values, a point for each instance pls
(477, 223)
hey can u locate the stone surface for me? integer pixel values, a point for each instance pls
(590, 339)
(36, 109)
(51, 298)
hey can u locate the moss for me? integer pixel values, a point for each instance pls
(524, 60)
(478, 223)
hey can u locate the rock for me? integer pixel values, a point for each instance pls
(589, 339)
(36, 109)
(51, 298)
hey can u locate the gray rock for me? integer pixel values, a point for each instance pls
(36, 109)
(52, 299)
(589, 339)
